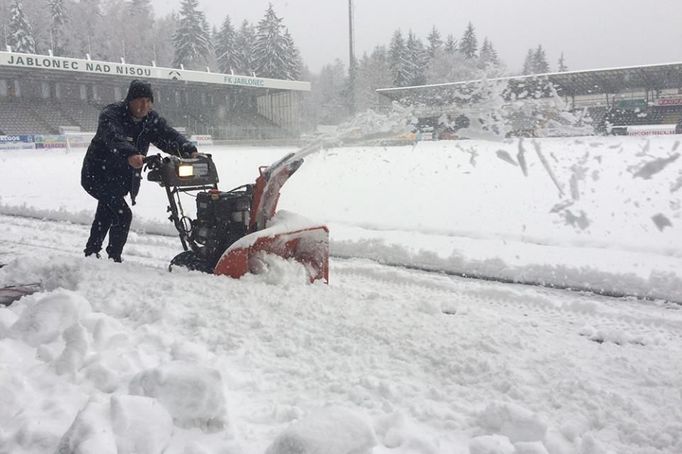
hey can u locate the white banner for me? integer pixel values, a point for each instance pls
(650, 130)
(669, 102)
(44, 62)
(206, 139)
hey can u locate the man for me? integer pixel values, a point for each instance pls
(111, 167)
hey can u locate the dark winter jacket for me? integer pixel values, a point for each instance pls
(105, 170)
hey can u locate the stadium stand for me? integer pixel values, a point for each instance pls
(16, 117)
(81, 114)
(641, 95)
(41, 99)
(50, 113)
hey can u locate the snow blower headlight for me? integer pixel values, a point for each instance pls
(185, 170)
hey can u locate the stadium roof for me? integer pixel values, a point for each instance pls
(570, 83)
(12, 62)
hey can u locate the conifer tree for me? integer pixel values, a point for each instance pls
(434, 40)
(488, 55)
(226, 52)
(139, 23)
(20, 35)
(469, 44)
(562, 64)
(528, 63)
(85, 27)
(59, 20)
(373, 73)
(416, 60)
(540, 65)
(331, 86)
(271, 51)
(191, 39)
(294, 61)
(451, 67)
(244, 45)
(451, 45)
(161, 43)
(398, 60)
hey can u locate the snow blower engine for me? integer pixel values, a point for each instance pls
(234, 231)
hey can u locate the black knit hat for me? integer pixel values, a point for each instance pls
(139, 89)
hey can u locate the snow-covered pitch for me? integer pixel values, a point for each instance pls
(397, 354)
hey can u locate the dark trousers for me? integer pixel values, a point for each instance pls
(113, 216)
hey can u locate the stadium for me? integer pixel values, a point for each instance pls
(46, 96)
(638, 100)
(491, 295)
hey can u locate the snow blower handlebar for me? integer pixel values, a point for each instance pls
(171, 171)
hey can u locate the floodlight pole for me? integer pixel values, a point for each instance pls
(352, 64)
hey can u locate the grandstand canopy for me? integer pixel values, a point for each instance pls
(570, 83)
(11, 62)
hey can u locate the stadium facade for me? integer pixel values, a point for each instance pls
(629, 100)
(46, 95)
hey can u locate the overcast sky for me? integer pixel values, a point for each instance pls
(591, 33)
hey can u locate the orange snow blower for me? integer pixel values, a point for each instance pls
(234, 231)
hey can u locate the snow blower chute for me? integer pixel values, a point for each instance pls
(234, 231)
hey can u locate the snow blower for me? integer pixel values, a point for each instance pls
(234, 231)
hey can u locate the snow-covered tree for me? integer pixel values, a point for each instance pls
(37, 14)
(540, 65)
(373, 72)
(329, 89)
(397, 57)
(468, 45)
(244, 44)
(488, 55)
(20, 34)
(294, 61)
(271, 51)
(86, 28)
(562, 64)
(528, 66)
(57, 32)
(536, 61)
(138, 23)
(447, 67)
(161, 43)
(226, 48)
(116, 28)
(192, 37)
(416, 60)
(451, 45)
(435, 42)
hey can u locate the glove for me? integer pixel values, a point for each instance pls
(188, 150)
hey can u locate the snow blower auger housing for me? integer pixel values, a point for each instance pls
(231, 234)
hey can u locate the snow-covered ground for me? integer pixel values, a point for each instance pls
(129, 358)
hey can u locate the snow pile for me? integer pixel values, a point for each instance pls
(514, 422)
(384, 360)
(132, 409)
(328, 430)
(120, 424)
(50, 317)
(130, 358)
(192, 394)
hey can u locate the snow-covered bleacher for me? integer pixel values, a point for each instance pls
(39, 94)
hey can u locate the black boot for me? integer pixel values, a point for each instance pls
(89, 253)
